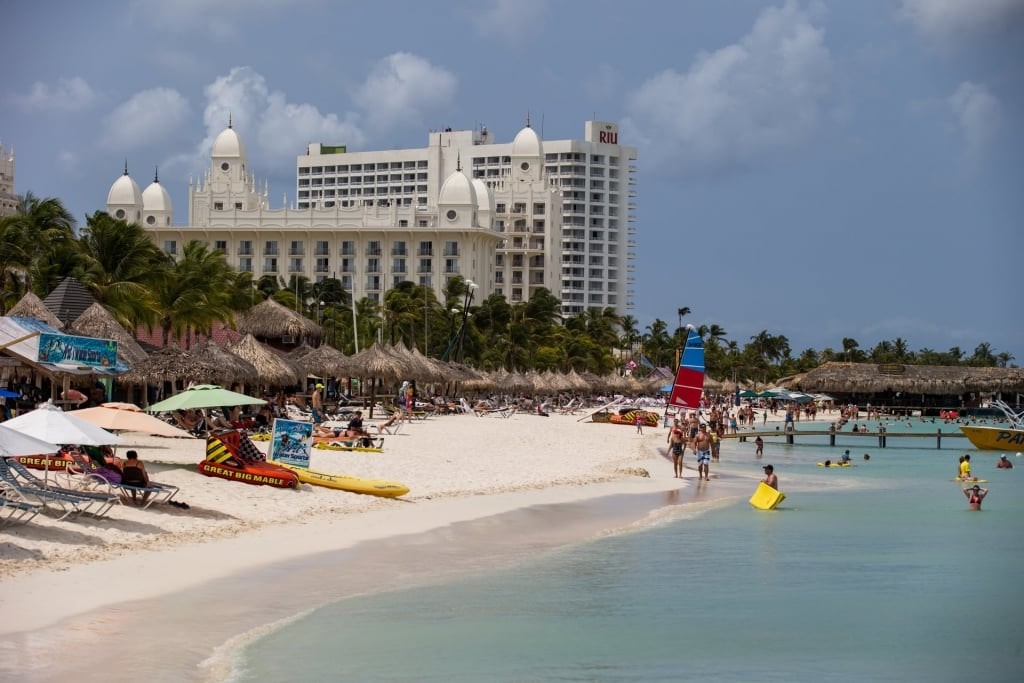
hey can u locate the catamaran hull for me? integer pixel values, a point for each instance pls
(995, 438)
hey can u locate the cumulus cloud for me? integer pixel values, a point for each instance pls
(508, 19)
(404, 89)
(762, 94)
(275, 130)
(944, 18)
(145, 118)
(67, 94)
(978, 115)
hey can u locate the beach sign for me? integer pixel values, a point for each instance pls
(291, 441)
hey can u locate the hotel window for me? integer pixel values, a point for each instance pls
(398, 265)
(451, 265)
(245, 265)
(373, 248)
(403, 223)
(346, 282)
(270, 248)
(348, 248)
(538, 209)
(426, 281)
(499, 278)
(373, 282)
(238, 206)
(171, 247)
(519, 207)
(218, 206)
(322, 248)
(373, 265)
(451, 248)
(398, 249)
(245, 247)
(296, 248)
(221, 246)
(295, 265)
(270, 265)
(426, 249)
(426, 265)
(322, 264)
(348, 265)
(397, 280)
(499, 260)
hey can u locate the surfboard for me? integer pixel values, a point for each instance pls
(971, 481)
(836, 464)
(766, 498)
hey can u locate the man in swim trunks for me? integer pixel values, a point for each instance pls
(1004, 463)
(702, 446)
(769, 477)
(676, 447)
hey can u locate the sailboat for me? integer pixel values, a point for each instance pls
(688, 386)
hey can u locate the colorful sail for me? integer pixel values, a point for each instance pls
(689, 384)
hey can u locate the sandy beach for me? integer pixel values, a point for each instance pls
(458, 467)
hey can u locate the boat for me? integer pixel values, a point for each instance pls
(1008, 437)
(231, 455)
(342, 482)
(688, 387)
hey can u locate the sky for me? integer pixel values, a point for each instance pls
(817, 169)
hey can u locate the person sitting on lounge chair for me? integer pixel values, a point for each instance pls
(133, 473)
(221, 421)
(395, 417)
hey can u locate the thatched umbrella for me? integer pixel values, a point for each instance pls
(299, 352)
(97, 322)
(435, 370)
(213, 362)
(271, 320)
(31, 306)
(376, 362)
(272, 368)
(325, 361)
(168, 364)
(515, 381)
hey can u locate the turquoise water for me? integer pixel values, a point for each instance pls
(872, 573)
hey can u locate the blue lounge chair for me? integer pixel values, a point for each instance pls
(17, 507)
(154, 493)
(93, 502)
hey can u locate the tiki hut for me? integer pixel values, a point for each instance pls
(298, 352)
(278, 324)
(31, 306)
(169, 364)
(214, 363)
(325, 361)
(69, 300)
(272, 369)
(97, 322)
(930, 388)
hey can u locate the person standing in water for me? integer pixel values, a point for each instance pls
(769, 477)
(675, 446)
(975, 494)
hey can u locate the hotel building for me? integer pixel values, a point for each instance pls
(8, 200)
(511, 217)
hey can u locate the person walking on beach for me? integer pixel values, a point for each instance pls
(769, 477)
(639, 423)
(676, 446)
(702, 447)
(975, 494)
(759, 443)
(316, 404)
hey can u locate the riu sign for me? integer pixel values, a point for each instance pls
(610, 137)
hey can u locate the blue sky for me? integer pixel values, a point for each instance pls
(815, 169)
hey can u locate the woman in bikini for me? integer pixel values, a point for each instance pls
(975, 494)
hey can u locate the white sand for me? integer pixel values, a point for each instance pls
(455, 466)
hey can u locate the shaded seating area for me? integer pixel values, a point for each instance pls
(69, 501)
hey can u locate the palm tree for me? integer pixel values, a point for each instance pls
(682, 312)
(194, 293)
(39, 229)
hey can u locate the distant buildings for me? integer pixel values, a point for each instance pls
(8, 200)
(511, 217)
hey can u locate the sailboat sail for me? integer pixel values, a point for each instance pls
(689, 383)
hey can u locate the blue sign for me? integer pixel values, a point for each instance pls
(71, 350)
(291, 442)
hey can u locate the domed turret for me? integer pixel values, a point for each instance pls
(228, 144)
(527, 143)
(485, 203)
(457, 191)
(156, 204)
(124, 201)
(527, 155)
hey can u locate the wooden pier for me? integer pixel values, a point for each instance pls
(882, 437)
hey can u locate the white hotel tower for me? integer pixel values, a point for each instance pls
(511, 217)
(562, 207)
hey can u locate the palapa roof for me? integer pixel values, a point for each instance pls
(69, 300)
(271, 320)
(97, 322)
(168, 364)
(943, 380)
(206, 363)
(272, 368)
(324, 361)
(213, 359)
(31, 306)
(377, 361)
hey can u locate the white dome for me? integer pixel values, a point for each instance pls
(156, 198)
(457, 190)
(228, 144)
(526, 144)
(124, 192)
(484, 198)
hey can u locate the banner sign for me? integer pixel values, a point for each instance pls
(291, 442)
(71, 350)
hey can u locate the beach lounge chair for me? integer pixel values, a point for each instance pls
(70, 502)
(157, 492)
(15, 506)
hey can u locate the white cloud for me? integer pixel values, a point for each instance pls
(274, 130)
(67, 94)
(508, 19)
(145, 118)
(943, 18)
(404, 89)
(762, 94)
(978, 115)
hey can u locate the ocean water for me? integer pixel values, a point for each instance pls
(872, 573)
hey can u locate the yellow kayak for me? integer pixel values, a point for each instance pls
(836, 464)
(343, 482)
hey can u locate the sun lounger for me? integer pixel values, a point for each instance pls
(29, 487)
(157, 492)
(15, 506)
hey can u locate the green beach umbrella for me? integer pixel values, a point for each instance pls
(204, 396)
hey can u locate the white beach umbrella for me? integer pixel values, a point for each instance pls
(50, 423)
(13, 443)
